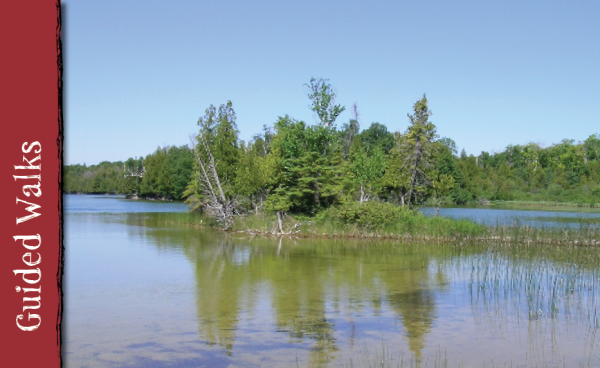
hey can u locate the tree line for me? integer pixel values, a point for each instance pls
(295, 167)
(164, 174)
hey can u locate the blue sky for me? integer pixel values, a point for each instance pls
(139, 74)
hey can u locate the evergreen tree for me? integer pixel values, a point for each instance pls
(419, 148)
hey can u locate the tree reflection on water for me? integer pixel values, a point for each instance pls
(318, 298)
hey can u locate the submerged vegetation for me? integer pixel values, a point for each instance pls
(349, 180)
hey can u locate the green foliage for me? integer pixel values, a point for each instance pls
(450, 228)
(106, 177)
(323, 102)
(365, 170)
(387, 218)
(564, 172)
(181, 160)
(158, 179)
(253, 173)
(419, 149)
(306, 169)
(131, 184)
(167, 172)
(372, 214)
(591, 147)
(377, 136)
(219, 130)
(396, 179)
(442, 185)
(217, 142)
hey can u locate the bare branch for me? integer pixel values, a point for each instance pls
(217, 205)
(137, 172)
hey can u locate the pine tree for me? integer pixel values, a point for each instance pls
(419, 148)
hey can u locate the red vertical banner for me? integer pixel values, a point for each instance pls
(31, 202)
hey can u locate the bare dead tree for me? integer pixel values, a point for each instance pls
(217, 205)
(351, 130)
(136, 172)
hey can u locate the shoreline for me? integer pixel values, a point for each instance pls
(436, 230)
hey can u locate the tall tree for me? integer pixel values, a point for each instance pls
(217, 154)
(419, 148)
(322, 99)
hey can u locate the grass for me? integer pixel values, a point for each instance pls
(410, 228)
(583, 235)
(570, 220)
(549, 283)
(383, 359)
(416, 226)
(422, 228)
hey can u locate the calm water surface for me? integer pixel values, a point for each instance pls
(142, 293)
(117, 204)
(509, 217)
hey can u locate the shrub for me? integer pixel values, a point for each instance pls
(370, 214)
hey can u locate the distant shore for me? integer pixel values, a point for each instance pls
(126, 196)
(529, 205)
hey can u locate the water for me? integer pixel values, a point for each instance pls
(117, 204)
(487, 216)
(509, 217)
(140, 292)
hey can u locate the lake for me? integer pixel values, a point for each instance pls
(510, 217)
(141, 292)
(483, 215)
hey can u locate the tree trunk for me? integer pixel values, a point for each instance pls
(362, 194)
(221, 208)
(279, 221)
(216, 176)
(317, 196)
